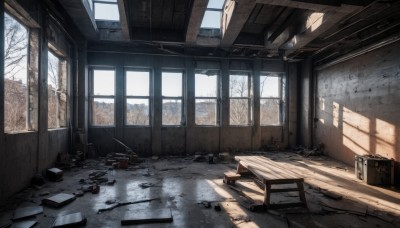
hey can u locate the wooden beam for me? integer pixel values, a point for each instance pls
(123, 19)
(234, 17)
(196, 17)
(317, 6)
(313, 26)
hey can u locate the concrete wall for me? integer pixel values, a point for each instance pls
(189, 139)
(23, 154)
(358, 106)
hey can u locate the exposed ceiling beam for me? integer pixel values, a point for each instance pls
(315, 5)
(234, 17)
(313, 26)
(196, 17)
(83, 18)
(123, 19)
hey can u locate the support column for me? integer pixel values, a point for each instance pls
(256, 129)
(119, 103)
(224, 105)
(157, 109)
(190, 103)
(2, 149)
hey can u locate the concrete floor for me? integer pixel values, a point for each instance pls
(183, 184)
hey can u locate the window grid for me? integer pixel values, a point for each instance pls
(240, 99)
(270, 98)
(137, 104)
(172, 99)
(205, 114)
(102, 97)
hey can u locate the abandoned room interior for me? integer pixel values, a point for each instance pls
(200, 113)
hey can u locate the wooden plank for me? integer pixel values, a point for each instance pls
(147, 216)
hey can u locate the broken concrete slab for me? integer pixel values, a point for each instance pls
(147, 216)
(59, 200)
(24, 224)
(54, 174)
(70, 220)
(26, 212)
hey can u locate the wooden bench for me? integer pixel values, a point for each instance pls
(272, 173)
(231, 177)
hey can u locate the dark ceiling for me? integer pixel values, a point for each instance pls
(289, 29)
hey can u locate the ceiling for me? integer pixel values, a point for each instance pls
(289, 29)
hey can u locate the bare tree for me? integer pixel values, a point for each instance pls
(239, 101)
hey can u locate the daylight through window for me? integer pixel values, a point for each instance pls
(206, 97)
(137, 97)
(270, 98)
(103, 97)
(16, 83)
(172, 98)
(57, 91)
(212, 15)
(106, 10)
(240, 105)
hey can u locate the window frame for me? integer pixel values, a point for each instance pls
(92, 96)
(149, 97)
(181, 98)
(280, 76)
(217, 99)
(249, 98)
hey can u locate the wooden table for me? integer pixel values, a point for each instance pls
(272, 173)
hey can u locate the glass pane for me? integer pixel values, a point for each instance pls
(269, 112)
(269, 86)
(211, 19)
(53, 88)
(106, 12)
(239, 112)
(103, 82)
(172, 112)
(206, 85)
(137, 112)
(15, 75)
(137, 83)
(103, 111)
(206, 112)
(238, 86)
(215, 4)
(172, 84)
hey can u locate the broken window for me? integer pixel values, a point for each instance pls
(16, 81)
(137, 97)
(206, 97)
(57, 91)
(103, 97)
(212, 15)
(106, 10)
(172, 98)
(270, 98)
(240, 102)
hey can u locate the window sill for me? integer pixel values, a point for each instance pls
(19, 132)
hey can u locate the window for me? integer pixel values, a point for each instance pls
(172, 98)
(240, 98)
(106, 10)
(212, 15)
(206, 97)
(137, 97)
(270, 98)
(103, 92)
(16, 81)
(57, 91)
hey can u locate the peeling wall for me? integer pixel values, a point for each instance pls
(358, 106)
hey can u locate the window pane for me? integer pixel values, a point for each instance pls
(269, 86)
(137, 83)
(15, 75)
(172, 84)
(172, 112)
(211, 19)
(106, 12)
(56, 96)
(269, 111)
(206, 112)
(239, 114)
(238, 86)
(205, 85)
(137, 112)
(103, 111)
(103, 82)
(215, 4)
